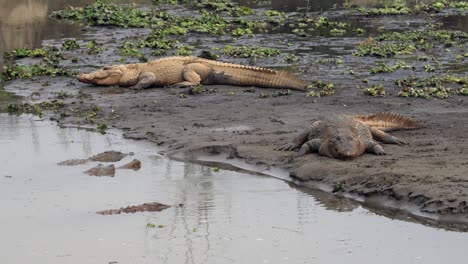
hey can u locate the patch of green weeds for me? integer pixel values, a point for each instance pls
(128, 49)
(34, 109)
(439, 87)
(338, 60)
(425, 39)
(384, 68)
(107, 14)
(337, 32)
(429, 68)
(375, 90)
(438, 6)
(63, 95)
(250, 52)
(370, 47)
(291, 58)
(338, 186)
(70, 44)
(93, 47)
(49, 65)
(26, 52)
(101, 128)
(319, 88)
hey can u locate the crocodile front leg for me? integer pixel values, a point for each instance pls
(145, 80)
(374, 148)
(310, 147)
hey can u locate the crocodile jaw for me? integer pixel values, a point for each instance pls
(105, 76)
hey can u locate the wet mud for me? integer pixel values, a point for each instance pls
(427, 177)
(146, 207)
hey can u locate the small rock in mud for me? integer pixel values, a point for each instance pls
(109, 156)
(101, 170)
(133, 165)
(146, 207)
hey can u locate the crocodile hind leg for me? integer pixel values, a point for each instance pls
(381, 136)
(145, 80)
(194, 74)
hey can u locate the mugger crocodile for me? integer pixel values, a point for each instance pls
(347, 137)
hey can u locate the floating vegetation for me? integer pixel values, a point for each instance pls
(425, 39)
(385, 68)
(128, 49)
(338, 60)
(93, 47)
(250, 52)
(370, 47)
(438, 87)
(375, 90)
(398, 8)
(291, 58)
(34, 109)
(26, 52)
(70, 44)
(426, 92)
(319, 88)
(49, 65)
(101, 13)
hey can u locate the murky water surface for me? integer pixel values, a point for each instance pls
(48, 211)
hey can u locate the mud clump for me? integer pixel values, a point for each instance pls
(146, 207)
(101, 170)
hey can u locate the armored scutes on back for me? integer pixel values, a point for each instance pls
(190, 71)
(347, 137)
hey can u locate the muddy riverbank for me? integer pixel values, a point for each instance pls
(427, 177)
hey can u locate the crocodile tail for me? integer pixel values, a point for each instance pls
(234, 74)
(387, 121)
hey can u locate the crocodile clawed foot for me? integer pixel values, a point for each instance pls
(287, 147)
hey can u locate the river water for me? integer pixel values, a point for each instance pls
(49, 211)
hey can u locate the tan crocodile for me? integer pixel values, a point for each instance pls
(347, 137)
(190, 71)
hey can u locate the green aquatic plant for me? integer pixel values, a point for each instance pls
(93, 47)
(101, 13)
(26, 52)
(291, 58)
(337, 32)
(250, 52)
(129, 49)
(435, 86)
(70, 44)
(34, 109)
(320, 88)
(375, 90)
(385, 68)
(370, 47)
